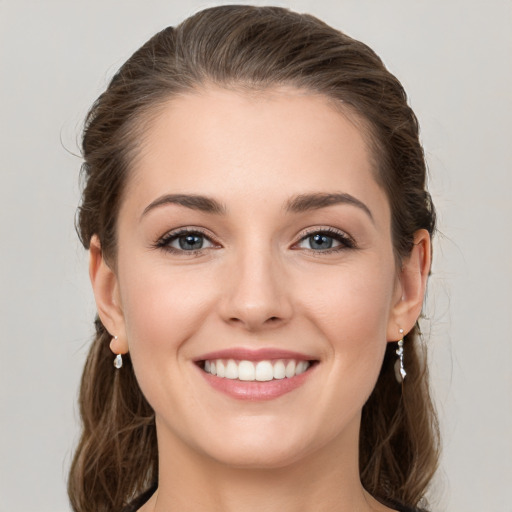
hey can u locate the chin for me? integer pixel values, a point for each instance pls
(260, 446)
(257, 456)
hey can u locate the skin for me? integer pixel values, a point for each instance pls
(257, 284)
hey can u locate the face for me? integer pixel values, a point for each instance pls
(255, 242)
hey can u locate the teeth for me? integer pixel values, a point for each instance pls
(221, 369)
(231, 370)
(301, 367)
(264, 371)
(290, 369)
(261, 371)
(246, 371)
(279, 370)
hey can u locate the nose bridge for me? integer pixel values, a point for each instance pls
(256, 295)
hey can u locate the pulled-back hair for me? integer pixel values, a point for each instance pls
(251, 48)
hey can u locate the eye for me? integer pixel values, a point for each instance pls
(185, 240)
(326, 240)
(189, 242)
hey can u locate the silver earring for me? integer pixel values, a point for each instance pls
(400, 372)
(118, 360)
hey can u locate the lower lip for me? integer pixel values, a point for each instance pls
(256, 390)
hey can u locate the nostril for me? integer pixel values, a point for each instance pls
(272, 319)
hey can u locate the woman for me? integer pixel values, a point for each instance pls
(259, 234)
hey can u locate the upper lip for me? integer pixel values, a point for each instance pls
(247, 354)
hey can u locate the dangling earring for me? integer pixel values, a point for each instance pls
(118, 360)
(400, 372)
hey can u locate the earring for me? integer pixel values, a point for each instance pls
(118, 360)
(400, 372)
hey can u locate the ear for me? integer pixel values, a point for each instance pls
(106, 293)
(411, 287)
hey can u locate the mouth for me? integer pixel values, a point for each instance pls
(255, 371)
(256, 375)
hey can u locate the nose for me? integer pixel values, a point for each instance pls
(256, 296)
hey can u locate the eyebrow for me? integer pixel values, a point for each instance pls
(298, 204)
(192, 201)
(306, 202)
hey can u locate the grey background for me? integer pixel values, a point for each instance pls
(454, 59)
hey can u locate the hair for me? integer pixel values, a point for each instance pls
(251, 48)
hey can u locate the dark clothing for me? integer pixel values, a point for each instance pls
(139, 501)
(403, 508)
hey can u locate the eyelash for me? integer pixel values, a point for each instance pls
(346, 242)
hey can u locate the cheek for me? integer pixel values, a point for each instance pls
(162, 307)
(351, 301)
(352, 310)
(162, 310)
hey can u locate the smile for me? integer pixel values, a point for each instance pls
(263, 374)
(260, 371)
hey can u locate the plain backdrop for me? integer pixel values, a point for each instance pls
(454, 59)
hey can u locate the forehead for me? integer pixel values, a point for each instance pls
(269, 144)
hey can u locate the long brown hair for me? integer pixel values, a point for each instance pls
(255, 48)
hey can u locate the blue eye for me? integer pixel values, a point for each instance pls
(185, 241)
(319, 241)
(190, 242)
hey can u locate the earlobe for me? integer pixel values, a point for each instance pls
(106, 293)
(412, 286)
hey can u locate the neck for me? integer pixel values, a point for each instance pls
(326, 481)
